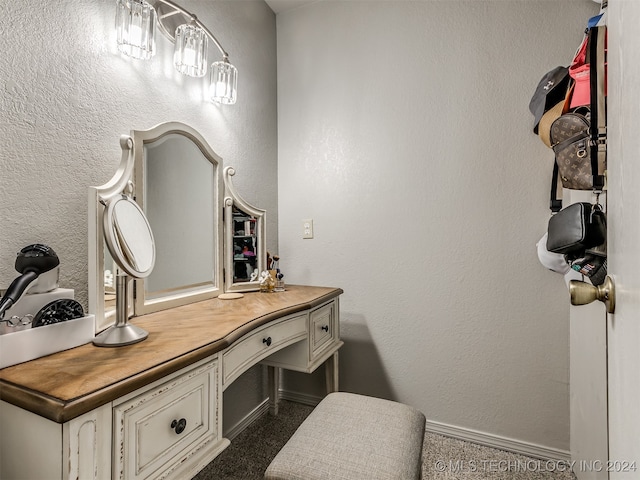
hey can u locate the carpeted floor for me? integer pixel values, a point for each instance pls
(443, 458)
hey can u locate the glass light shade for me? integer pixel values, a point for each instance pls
(190, 54)
(136, 28)
(224, 83)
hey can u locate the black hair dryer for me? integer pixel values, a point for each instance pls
(33, 261)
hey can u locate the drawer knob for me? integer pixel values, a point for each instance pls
(267, 341)
(179, 425)
(325, 328)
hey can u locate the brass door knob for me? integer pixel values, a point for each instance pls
(583, 293)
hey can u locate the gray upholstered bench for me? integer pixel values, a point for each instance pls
(353, 437)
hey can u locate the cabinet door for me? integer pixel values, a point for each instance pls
(156, 431)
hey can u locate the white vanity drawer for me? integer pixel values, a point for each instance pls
(323, 328)
(261, 343)
(323, 341)
(155, 431)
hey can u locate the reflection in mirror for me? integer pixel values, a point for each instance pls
(245, 251)
(129, 237)
(179, 186)
(184, 223)
(109, 284)
(245, 246)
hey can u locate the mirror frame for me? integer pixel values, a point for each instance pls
(128, 180)
(119, 184)
(231, 199)
(140, 139)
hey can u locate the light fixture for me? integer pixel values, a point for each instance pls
(135, 27)
(224, 82)
(190, 54)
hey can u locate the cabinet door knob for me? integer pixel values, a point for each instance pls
(179, 425)
(267, 341)
(325, 328)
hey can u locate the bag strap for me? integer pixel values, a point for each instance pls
(598, 141)
(597, 40)
(544, 131)
(555, 203)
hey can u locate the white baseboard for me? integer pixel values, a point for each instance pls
(263, 409)
(298, 397)
(496, 441)
(461, 433)
(248, 419)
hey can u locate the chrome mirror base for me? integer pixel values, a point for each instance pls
(120, 335)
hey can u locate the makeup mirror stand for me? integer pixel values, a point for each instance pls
(122, 332)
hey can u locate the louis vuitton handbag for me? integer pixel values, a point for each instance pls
(570, 140)
(578, 138)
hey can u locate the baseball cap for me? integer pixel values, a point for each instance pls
(550, 91)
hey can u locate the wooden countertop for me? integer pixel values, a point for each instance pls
(67, 384)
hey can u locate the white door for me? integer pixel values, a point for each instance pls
(605, 350)
(588, 380)
(623, 215)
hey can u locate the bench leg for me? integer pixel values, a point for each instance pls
(273, 379)
(331, 373)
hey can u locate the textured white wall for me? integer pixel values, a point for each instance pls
(404, 132)
(67, 96)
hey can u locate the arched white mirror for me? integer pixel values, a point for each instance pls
(176, 179)
(245, 250)
(179, 187)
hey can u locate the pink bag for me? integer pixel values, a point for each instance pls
(579, 71)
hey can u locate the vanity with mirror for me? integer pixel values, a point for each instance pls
(175, 255)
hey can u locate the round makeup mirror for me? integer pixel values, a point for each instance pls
(129, 237)
(130, 241)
